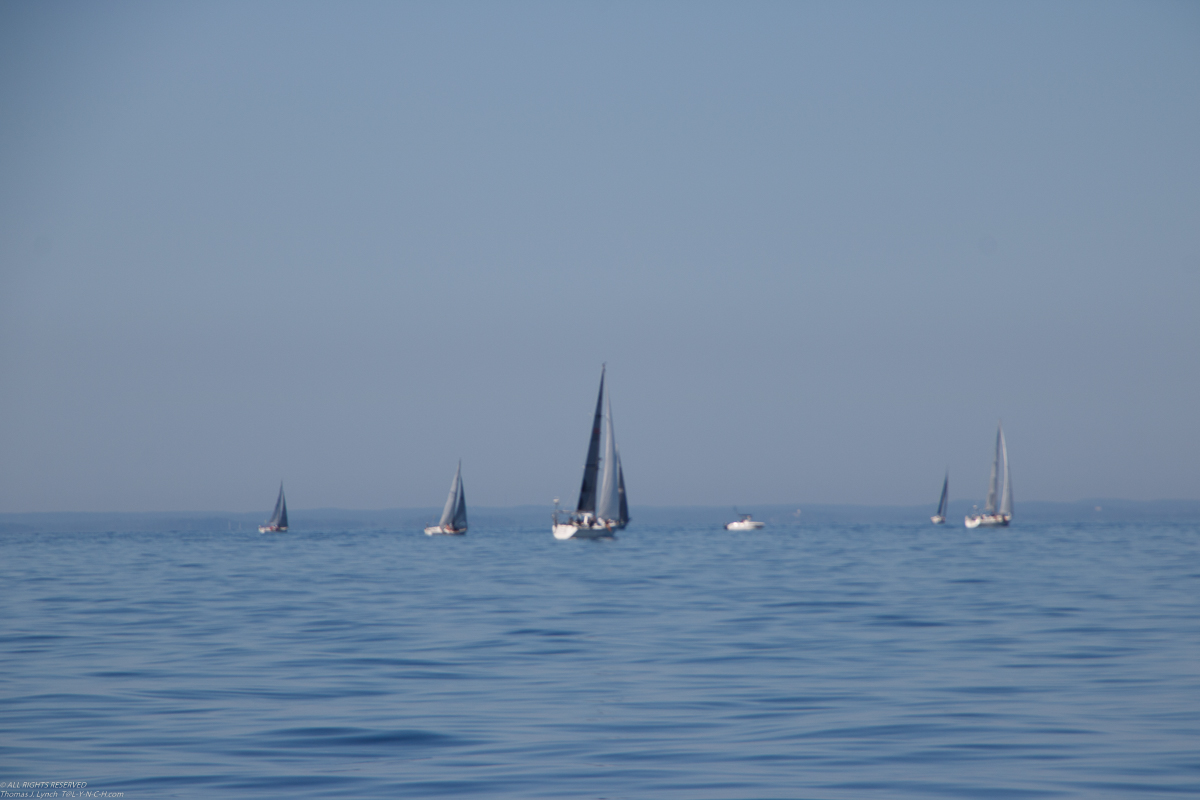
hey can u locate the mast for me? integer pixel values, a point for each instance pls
(1006, 494)
(608, 502)
(591, 467)
(990, 508)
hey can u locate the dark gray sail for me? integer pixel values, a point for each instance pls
(591, 467)
(460, 510)
(279, 518)
(454, 515)
(941, 512)
(624, 520)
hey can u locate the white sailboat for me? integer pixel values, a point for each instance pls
(278, 522)
(940, 517)
(454, 515)
(602, 510)
(991, 517)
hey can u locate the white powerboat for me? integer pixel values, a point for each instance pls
(746, 523)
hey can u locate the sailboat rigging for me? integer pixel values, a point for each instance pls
(602, 509)
(278, 522)
(1001, 479)
(454, 515)
(940, 516)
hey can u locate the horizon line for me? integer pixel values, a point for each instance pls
(800, 505)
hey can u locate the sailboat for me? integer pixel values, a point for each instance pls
(278, 521)
(991, 518)
(602, 509)
(940, 516)
(454, 515)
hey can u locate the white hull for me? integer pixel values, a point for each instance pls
(272, 529)
(562, 532)
(988, 521)
(937, 519)
(438, 530)
(745, 525)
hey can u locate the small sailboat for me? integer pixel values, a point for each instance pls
(940, 517)
(601, 510)
(746, 522)
(1001, 479)
(454, 515)
(278, 521)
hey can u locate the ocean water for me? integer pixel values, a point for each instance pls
(679, 661)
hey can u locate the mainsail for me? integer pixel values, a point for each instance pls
(454, 515)
(941, 512)
(990, 507)
(1006, 494)
(279, 518)
(591, 468)
(608, 502)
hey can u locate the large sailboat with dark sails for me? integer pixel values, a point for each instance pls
(602, 508)
(999, 486)
(278, 521)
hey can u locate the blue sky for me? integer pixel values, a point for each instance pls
(822, 247)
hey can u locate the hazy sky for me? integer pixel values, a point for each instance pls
(822, 247)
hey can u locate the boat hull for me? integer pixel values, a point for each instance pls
(988, 521)
(745, 525)
(565, 531)
(938, 519)
(272, 528)
(439, 530)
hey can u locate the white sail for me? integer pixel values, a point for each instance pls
(608, 501)
(1006, 493)
(990, 506)
(454, 515)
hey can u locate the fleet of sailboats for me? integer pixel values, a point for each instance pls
(1002, 479)
(278, 521)
(454, 515)
(602, 508)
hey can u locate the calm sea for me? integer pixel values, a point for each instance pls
(823, 660)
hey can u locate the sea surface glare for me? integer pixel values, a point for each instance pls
(679, 661)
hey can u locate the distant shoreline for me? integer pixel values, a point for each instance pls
(776, 514)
